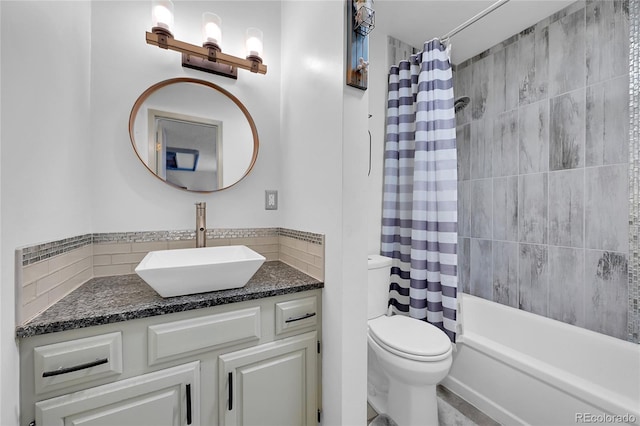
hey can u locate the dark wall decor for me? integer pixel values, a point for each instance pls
(360, 22)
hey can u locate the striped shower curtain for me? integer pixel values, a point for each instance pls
(419, 219)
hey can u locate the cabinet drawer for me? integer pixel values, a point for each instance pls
(78, 361)
(168, 397)
(296, 314)
(187, 337)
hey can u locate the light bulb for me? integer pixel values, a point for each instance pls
(254, 43)
(162, 14)
(211, 29)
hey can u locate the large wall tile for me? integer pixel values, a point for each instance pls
(463, 145)
(464, 264)
(505, 82)
(505, 208)
(398, 50)
(607, 208)
(566, 208)
(606, 295)
(505, 273)
(481, 279)
(607, 131)
(464, 208)
(533, 278)
(533, 65)
(607, 39)
(481, 208)
(482, 88)
(566, 135)
(505, 144)
(566, 285)
(532, 208)
(566, 53)
(481, 149)
(569, 10)
(499, 81)
(533, 135)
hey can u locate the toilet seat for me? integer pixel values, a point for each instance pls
(410, 338)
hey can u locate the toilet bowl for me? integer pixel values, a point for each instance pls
(407, 357)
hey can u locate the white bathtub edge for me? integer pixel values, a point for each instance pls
(487, 406)
(553, 376)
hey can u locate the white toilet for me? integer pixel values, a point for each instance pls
(407, 357)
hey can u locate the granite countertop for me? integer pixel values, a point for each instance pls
(107, 300)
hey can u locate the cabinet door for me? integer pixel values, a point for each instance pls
(270, 385)
(167, 397)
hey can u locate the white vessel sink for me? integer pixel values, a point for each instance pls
(198, 270)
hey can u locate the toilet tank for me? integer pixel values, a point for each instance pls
(378, 285)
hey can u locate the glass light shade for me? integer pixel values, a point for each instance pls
(162, 14)
(254, 43)
(211, 29)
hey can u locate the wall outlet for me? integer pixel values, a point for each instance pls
(271, 199)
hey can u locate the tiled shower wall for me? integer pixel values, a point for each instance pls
(543, 153)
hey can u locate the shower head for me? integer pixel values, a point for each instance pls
(461, 103)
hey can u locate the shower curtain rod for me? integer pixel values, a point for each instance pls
(472, 20)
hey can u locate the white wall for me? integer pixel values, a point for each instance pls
(354, 288)
(126, 197)
(10, 351)
(45, 175)
(323, 188)
(378, 72)
(73, 171)
(3, 320)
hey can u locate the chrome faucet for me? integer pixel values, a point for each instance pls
(201, 224)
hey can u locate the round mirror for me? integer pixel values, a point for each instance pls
(193, 135)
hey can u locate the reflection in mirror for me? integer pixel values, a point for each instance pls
(186, 150)
(193, 135)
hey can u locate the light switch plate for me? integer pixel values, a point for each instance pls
(271, 199)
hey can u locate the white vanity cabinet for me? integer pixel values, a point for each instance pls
(246, 363)
(270, 385)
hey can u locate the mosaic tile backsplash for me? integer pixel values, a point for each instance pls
(39, 252)
(47, 272)
(634, 173)
(543, 169)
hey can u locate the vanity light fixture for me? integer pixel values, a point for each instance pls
(209, 57)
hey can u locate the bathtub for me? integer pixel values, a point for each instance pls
(521, 368)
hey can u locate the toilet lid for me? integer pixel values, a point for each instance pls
(410, 336)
